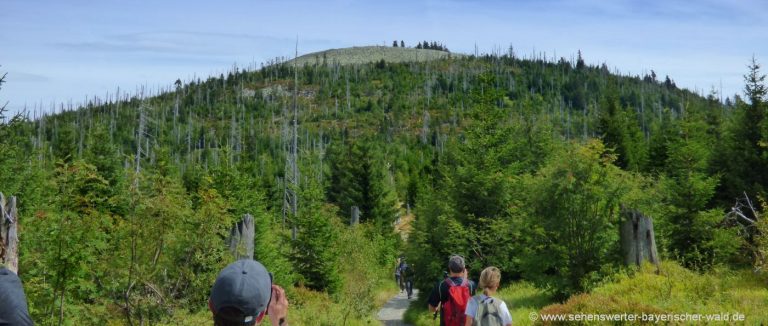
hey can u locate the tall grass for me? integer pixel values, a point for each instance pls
(676, 290)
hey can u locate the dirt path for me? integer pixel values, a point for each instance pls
(392, 312)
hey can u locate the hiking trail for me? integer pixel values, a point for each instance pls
(391, 314)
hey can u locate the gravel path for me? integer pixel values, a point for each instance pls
(392, 312)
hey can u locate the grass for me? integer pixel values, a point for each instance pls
(316, 308)
(367, 54)
(676, 290)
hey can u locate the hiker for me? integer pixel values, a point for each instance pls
(485, 310)
(13, 302)
(406, 277)
(397, 274)
(243, 293)
(452, 294)
(401, 281)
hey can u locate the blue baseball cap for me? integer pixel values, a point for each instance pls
(241, 292)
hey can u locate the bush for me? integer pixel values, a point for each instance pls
(573, 218)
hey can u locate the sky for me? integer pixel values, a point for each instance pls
(68, 51)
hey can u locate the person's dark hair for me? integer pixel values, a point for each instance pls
(231, 316)
(456, 264)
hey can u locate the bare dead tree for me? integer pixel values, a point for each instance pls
(291, 164)
(176, 131)
(425, 128)
(2, 107)
(744, 212)
(9, 239)
(745, 216)
(139, 143)
(355, 217)
(349, 103)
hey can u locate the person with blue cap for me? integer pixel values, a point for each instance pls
(243, 294)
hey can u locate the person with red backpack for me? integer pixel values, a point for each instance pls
(452, 294)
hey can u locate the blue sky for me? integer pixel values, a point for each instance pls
(65, 51)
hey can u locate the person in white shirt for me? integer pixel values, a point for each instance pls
(483, 309)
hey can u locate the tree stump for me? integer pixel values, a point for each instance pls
(638, 241)
(9, 238)
(355, 219)
(241, 238)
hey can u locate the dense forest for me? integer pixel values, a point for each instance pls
(126, 202)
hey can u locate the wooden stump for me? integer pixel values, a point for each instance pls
(9, 238)
(638, 241)
(355, 219)
(241, 238)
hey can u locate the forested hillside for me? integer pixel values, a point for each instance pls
(521, 163)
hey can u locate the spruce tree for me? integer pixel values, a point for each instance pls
(313, 249)
(620, 131)
(580, 61)
(358, 178)
(695, 237)
(746, 166)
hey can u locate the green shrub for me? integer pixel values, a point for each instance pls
(573, 218)
(675, 290)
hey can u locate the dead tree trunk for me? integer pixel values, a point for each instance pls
(241, 238)
(291, 195)
(9, 238)
(746, 217)
(355, 219)
(425, 128)
(638, 241)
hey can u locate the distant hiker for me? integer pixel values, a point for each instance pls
(397, 274)
(485, 310)
(406, 277)
(452, 294)
(13, 302)
(400, 268)
(243, 293)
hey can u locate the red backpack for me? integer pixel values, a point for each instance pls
(454, 308)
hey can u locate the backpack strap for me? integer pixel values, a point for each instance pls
(480, 310)
(440, 291)
(483, 304)
(478, 300)
(450, 283)
(464, 282)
